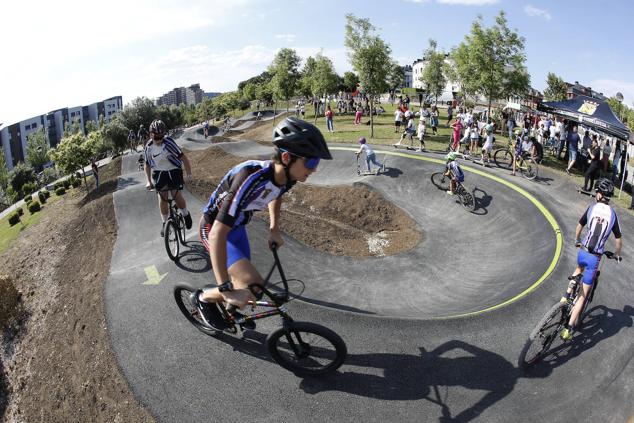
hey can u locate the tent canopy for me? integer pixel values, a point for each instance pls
(590, 112)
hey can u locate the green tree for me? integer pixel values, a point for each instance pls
(72, 154)
(324, 79)
(285, 74)
(396, 76)
(491, 61)
(91, 126)
(116, 134)
(433, 76)
(556, 88)
(370, 58)
(305, 83)
(249, 91)
(21, 174)
(99, 144)
(37, 149)
(140, 111)
(350, 80)
(4, 171)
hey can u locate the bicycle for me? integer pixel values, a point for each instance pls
(552, 323)
(442, 182)
(527, 166)
(174, 230)
(304, 348)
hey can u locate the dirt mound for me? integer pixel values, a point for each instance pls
(9, 301)
(60, 366)
(350, 221)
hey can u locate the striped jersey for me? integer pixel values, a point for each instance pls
(600, 219)
(456, 170)
(166, 156)
(248, 187)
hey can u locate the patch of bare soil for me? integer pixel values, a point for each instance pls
(351, 221)
(58, 364)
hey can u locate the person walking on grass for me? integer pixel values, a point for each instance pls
(573, 147)
(457, 129)
(409, 130)
(434, 119)
(398, 119)
(329, 123)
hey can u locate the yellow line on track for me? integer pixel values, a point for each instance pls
(549, 217)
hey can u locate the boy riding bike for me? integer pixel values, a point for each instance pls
(601, 220)
(248, 187)
(454, 171)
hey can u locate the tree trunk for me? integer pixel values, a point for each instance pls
(489, 111)
(274, 111)
(83, 171)
(371, 117)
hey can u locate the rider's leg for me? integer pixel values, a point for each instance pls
(576, 309)
(163, 207)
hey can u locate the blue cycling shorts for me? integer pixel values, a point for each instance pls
(590, 264)
(237, 242)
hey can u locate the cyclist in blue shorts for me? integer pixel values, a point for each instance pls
(454, 171)
(600, 219)
(249, 187)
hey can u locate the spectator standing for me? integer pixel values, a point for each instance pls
(357, 116)
(615, 162)
(594, 153)
(449, 114)
(607, 150)
(563, 137)
(510, 125)
(398, 118)
(434, 119)
(95, 172)
(329, 123)
(420, 99)
(457, 129)
(587, 143)
(421, 133)
(573, 146)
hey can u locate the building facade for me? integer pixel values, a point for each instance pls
(182, 95)
(451, 88)
(407, 73)
(14, 138)
(578, 89)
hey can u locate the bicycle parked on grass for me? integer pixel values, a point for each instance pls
(304, 348)
(527, 166)
(173, 228)
(466, 197)
(541, 339)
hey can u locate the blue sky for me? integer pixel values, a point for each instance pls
(63, 53)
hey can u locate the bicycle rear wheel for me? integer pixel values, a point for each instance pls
(528, 167)
(467, 199)
(543, 335)
(182, 294)
(307, 349)
(182, 228)
(503, 158)
(172, 245)
(440, 180)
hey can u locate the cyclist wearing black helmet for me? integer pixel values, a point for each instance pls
(601, 220)
(163, 170)
(251, 186)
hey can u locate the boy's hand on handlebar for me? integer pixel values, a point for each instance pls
(275, 239)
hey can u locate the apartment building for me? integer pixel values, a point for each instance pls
(183, 95)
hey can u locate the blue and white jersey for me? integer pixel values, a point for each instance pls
(456, 171)
(600, 219)
(248, 187)
(166, 156)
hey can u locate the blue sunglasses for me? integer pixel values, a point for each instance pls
(310, 163)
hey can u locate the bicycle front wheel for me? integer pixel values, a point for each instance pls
(182, 228)
(528, 167)
(172, 246)
(307, 349)
(182, 294)
(503, 158)
(440, 180)
(543, 335)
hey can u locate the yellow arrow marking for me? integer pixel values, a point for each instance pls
(153, 276)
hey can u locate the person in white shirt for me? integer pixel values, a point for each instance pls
(370, 156)
(398, 118)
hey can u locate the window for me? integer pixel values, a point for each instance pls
(34, 125)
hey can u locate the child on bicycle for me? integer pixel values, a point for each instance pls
(251, 186)
(454, 171)
(601, 219)
(370, 156)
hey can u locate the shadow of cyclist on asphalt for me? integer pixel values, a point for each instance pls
(195, 259)
(412, 377)
(598, 324)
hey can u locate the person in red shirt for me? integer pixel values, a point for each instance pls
(329, 123)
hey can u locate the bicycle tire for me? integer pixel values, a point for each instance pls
(172, 246)
(503, 158)
(182, 292)
(440, 181)
(467, 199)
(182, 228)
(543, 335)
(313, 360)
(529, 168)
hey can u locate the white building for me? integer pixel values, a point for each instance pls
(451, 88)
(407, 73)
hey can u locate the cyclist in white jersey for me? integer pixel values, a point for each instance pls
(601, 220)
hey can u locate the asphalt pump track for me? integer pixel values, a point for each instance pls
(433, 333)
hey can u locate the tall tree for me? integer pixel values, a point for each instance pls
(73, 153)
(140, 111)
(395, 76)
(350, 80)
(491, 61)
(324, 80)
(37, 150)
(285, 71)
(556, 88)
(305, 83)
(370, 58)
(4, 170)
(433, 76)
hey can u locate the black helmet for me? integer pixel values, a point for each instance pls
(605, 187)
(158, 127)
(300, 138)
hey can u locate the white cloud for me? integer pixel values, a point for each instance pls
(417, 1)
(533, 11)
(609, 88)
(289, 38)
(469, 2)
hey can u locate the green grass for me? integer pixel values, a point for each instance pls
(9, 233)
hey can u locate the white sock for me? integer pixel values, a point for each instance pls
(184, 211)
(164, 217)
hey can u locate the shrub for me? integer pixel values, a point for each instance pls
(75, 182)
(14, 218)
(47, 193)
(20, 211)
(60, 191)
(34, 207)
(57, 185)
(29, 188)
(42, 197)
(66, 183)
